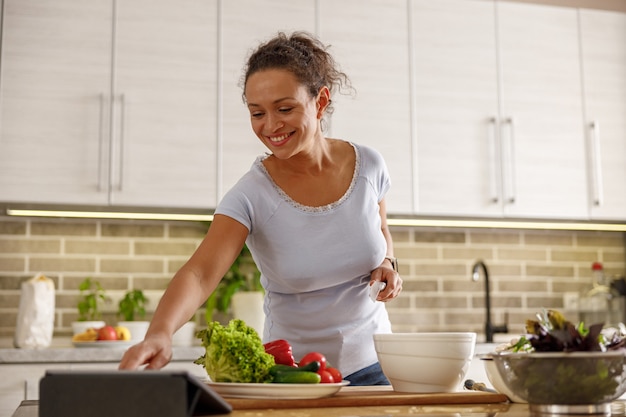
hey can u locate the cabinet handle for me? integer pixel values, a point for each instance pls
(509, 168)
(121, 152)
(596, 162)
(493, 160)
(100, 142)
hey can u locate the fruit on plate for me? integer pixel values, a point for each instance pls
(107, 333)
(89, 335)
(123, 333)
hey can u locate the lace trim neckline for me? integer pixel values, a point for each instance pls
(315, 209)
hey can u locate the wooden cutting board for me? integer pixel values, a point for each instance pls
(369, 396)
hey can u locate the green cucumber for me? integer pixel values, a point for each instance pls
(309, 367)
(296, 377)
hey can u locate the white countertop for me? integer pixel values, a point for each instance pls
(62, 351)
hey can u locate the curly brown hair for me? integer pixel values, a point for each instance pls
(305, 57)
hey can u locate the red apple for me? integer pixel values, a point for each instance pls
(107, 333)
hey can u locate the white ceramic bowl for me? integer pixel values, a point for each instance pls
(425, 362)
(434, 345)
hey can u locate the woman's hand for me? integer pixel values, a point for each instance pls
(386, 273)
(154, 351)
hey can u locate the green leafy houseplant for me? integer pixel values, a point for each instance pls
(243, 275)
(93, 296)
(133, 306)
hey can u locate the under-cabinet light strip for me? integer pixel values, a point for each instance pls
(504, 224)
(109, 215)
(406, 222)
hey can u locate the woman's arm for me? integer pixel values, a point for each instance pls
(189, 288)
(385, 271)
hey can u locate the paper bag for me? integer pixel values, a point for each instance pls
(35, 318)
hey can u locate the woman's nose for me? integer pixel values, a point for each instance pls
(275, 124)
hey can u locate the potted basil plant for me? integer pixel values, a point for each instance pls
(132, 311)
(92, 298)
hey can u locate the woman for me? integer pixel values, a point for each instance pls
(312, 212)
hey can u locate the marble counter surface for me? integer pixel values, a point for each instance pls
(62, 351)
(31, 409)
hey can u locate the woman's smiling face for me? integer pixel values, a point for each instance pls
(282, 113)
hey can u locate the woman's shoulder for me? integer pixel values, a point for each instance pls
(369, 157)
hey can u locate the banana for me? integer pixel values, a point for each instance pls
(89, 335)
(123, 333)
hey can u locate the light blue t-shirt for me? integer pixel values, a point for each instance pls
(315, 262)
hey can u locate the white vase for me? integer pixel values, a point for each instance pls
(137, 329)
(82, 326)
(185, 335)
(248, 306)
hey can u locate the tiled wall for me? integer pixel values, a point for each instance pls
(529, 270)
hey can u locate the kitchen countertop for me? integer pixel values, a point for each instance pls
(31, 409)
(62, 351)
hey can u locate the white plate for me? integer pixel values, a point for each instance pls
(281, 391)
(105, 344)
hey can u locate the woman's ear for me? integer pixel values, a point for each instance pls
(323, 101)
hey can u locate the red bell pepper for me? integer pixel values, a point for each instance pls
(281, 351)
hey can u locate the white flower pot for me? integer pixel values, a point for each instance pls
(185, 335)
(248, 306)
(82, 326)
(137, 329)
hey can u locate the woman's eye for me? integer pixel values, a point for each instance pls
(256, 114)
(285, 109)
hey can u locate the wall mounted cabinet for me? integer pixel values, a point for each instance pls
(481, 108)
(243, 30)
(498, 107)
(109, 102)
(377, 113)
(603, 48)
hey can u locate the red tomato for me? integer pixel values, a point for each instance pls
(312, 357)
(327, 377)
(335, 373)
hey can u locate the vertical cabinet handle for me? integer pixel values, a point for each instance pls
(596, 171)
(509, 162)
(493, 160)
(101, 143)
(121, 151)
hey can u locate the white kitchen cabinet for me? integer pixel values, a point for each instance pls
(243, 29)
(603, 47)
(56, 63)
(369, 42)
(541, 106)
(109, 102)
(497, 110)
(456, 105)
(20, 382)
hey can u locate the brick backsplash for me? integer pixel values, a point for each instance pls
(529, 270)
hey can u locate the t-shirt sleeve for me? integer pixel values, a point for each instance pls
(375, 169)
(236, 205)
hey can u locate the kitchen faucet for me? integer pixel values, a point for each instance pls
(490, 329)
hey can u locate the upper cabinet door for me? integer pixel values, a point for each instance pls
(56, 75)
(603, 36)
(369, 42)
(246, 24)
(165, 104)
(541, 131)
(498, 110)
(455, 107)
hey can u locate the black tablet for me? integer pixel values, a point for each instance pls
(127, 393)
